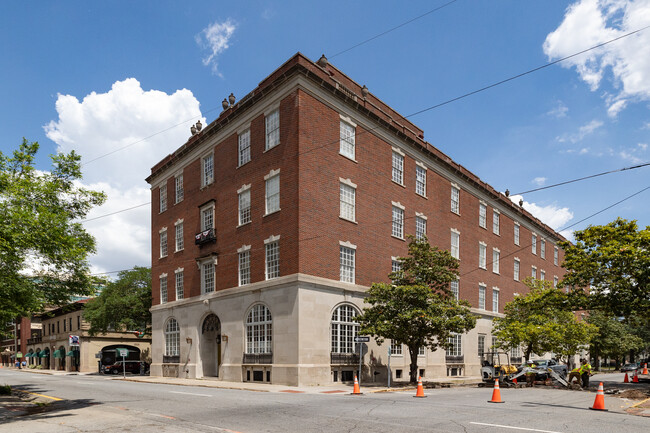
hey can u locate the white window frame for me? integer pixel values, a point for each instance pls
(455, 199)
(420, 179)
(259, 330)
(542, 248)
(396, 349)
(179, 280)
(347, 262)
(455, 246)
(343, 328)
(533, 243)
(454, 286)
(272, 257)
(172, 338)
(517, 269)
(555, 280)
(495, 299)
(533, 272)
(347, 199)
(244, 204)
(482, 289)
(496, 223)
(456, 348)
(179, 241)
(207, 216)
(420, 226)
(271, 195)
(397, 228)
(272, 125)
(163, 197)
(482, 215)
(347, 146)
(179, 189)
(208, 276)
(395, 264)
(517, 232)
(163, 290)
(207, 170)
(542, 274)
(556, 255)
(244, 265)
(244, 147)
(496, 258)
(482, 255)
(163, 242)
(397, 172)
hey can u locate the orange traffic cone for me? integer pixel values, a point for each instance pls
(420, 391)
(635, 378)
(626, 380)
(645, 368)
(496, 394)
(599, 403)
(515, 381)
(356, 390)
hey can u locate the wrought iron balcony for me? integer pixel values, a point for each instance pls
(205, 236)
(455, 359)
(257, 358)
(171, 359)
(344, 358)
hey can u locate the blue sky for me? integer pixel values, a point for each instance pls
(96, 77)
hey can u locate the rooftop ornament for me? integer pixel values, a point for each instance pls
(322, 62)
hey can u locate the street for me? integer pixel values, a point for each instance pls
(100, 403)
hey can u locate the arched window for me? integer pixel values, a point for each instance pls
(344, 329)
(172, 338)
(259, 330)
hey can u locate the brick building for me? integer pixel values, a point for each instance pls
(269, 225)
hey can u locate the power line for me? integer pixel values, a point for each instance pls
(393, 28)
(116, 212)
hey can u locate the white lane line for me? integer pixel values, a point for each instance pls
(190, 393)
(514, 428)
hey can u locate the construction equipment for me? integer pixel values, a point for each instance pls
(496, 365)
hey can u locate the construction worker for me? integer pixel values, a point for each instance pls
(585, 372)
(530, 374)
(575, 373)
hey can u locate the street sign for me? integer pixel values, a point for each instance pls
(73, 340)
(122, 352)
(362, 350)
(359, 339)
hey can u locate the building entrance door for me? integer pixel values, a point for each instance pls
(211, 345)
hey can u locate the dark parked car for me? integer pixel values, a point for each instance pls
(129, 367)
(630, 366)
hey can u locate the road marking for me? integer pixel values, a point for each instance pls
(163, 416)
(514, 428)
(190, 393)
(40, 395)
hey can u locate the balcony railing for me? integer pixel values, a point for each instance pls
(205, 236)
(455, 359)
(34, 340)
(257, 358)
(344, 358)
(171, 359)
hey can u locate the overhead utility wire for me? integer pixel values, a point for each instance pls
(393, 29)
(583, 178)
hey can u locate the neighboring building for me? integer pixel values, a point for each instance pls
(269, 225)
(18, 332)
(64, 343)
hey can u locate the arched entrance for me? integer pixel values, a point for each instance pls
(109, 354)
(211, 345)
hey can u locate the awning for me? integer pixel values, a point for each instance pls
(57, 354)
(70, 353)
(44, 354)
(29, 355)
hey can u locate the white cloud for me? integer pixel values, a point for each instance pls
(634, 154)
(590, 22)
(583, 131)
(105, 122)
(559, 111)
(215, 38)
(539, 181)
(551, 215)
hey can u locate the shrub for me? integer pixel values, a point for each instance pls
(5, 390)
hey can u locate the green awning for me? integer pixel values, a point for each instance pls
(70, 353)
(57, 354)
(29, 355)
(43, 354)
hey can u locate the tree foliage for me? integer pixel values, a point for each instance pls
(123, 305)
(542, 321)
(43, 246)
(614, 338)
(417, 309)
(612, 260)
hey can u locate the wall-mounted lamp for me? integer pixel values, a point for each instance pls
(224, 338)
(189, 340)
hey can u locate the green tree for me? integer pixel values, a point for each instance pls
(417, 309)
(541, 321)
(123, 305)
(43, 246)
(614, 338)
(612, 260)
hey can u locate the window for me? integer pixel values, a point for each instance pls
(481, 345)
(272, 257)
(421, 180)
(533, 272)
(180, 191)
(78, 322)
(172, 338)
(515, 352)
(180, 244)
(396, 348)
(163, 289)
(455, 289)
(455, 346)
(516, 272)
(420, 226)
(421, 352)
(244, 206)
(495, 299)
(494, 343)
(163, 198)
(542, 248)
(347, 140)
(482, 248)
(163, 243)
(455, 243)
(555, 255)
(455, 199)
(516, 233)
(395, 265)
(207, 218)
(244, 147)
(398, 168)
(272, 192)
(495, 222)
(207, 173)
(207, 277)
(555, 281)
(259, 330)
(398, 222)
(244, 265)
(272, 129)
(180, 283)
(344, 329)
(496, 254)
(347, 262)
(481, 297)
(64, 326)
(533, 244)
(542, 275)
(482, 215)
(347, 197)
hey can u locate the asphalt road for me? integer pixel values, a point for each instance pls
(99, 403)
